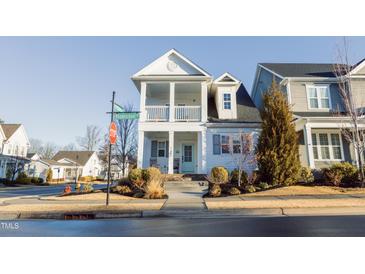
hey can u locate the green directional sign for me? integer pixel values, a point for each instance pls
(126, 115)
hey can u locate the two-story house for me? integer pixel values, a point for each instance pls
(190, 122)
(317, 105)
(14, 144)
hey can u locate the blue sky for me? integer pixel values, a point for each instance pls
(56, 86)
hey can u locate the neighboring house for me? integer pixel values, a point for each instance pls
(190, 122)
(14, 144)
(80, 163)
(38, 167)
(313, 92)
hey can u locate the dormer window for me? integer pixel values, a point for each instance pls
(227, 101)
(318, 97)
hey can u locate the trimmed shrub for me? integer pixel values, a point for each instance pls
(215, 190)
(22, 175)
(87, 188)
(219, 175)
(135, 176)
(123, 190)
(154, 189)
(263, 185)
(234, 191)
(234, 177)
(49, 175)
(306, 175)
(151, 173)
(250, 189)
(340, 173)
(23, 180)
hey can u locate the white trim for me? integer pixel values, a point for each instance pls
(273, 72)
(330, 145)
(288, 92)
(357, 68)
(315, 86)
(172, 51)
(220, 78)
(227, 101)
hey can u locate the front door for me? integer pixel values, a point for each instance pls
(187, 158)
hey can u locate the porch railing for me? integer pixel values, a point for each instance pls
(187, 113)
(157, 113)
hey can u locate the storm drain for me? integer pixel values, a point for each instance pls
(85, 216)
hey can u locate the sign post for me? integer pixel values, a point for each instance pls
(112, 140)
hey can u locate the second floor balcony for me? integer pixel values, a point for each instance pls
(180, 113)
(173, 102)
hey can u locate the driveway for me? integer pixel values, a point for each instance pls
(185, 195)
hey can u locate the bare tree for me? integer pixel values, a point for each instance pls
(354, 135)
(127, 141)
(69, 147)
(49, 150)
(242, 152)
(91, 139)
(36, 146)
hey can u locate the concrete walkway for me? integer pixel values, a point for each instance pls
(185, 195)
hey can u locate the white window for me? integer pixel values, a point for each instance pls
(226, 101)
(327, 146)
(161, 149)
(225, 144)
(318, 97)
(236, 144)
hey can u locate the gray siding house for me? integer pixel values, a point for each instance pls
(313, 92)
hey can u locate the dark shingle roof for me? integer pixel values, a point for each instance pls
(301, 69)
(246, 109)
(80, 157)
(9, 129)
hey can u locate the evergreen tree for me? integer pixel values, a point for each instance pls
(277, 148)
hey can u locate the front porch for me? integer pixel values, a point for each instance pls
(172, 152)
(322, 142)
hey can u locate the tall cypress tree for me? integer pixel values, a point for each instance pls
(277, 148)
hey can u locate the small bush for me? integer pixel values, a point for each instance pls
(263, 185)
(22, 175)
(151, 173)
(344, 173)
(154, 189)
(135, 176)
(234, 177)
(250, 189)
(23, 180)
(215, 190)
(306, 175)
(37, 180)
(123, 190)
(234, 191)
(49, 175)
(87, 188)
(86, 179)
(219, 175)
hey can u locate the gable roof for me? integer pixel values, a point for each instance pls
(172, 52)
(246, 109)
(301, 69)
(226, 78)
(80, 157)
(55, 163)
(9, 129)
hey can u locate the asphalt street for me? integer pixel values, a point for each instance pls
(308, 226)
(38, 190)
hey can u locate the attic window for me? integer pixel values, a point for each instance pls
(226, 101)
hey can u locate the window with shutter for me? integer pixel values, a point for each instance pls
(154, 149)
(216, 144)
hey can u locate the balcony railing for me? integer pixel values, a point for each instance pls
(187, 113)
(182, 113)
(157, 113)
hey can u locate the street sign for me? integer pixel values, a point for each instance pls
(127, 115)
(113, 133)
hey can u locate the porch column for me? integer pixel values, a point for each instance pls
(202, 152)
(172, 102)
(308, 141)
(171, 153)
(356, 156)
(140, 149)
(143, 102)
(204, 104)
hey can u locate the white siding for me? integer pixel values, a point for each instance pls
(226, 160)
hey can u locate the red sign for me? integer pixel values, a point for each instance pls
(113, 133)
